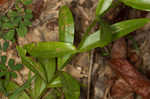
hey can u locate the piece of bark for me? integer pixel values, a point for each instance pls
(119, 49)
(139, 83)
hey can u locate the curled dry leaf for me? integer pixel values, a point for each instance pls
(119, 49)
(139, 83)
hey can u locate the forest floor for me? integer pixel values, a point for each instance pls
(92, 68)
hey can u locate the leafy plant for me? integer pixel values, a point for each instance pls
(17, 20)
(7, 71)
(47, 59)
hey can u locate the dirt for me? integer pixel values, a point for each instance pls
(104, 80)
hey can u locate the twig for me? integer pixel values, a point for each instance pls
(89, 74)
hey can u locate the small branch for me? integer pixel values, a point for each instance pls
(89, 74)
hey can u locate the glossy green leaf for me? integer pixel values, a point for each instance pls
(62, 61)
(49, 49)
(31, 64)
(5, 46)
(22, 88)
(92, 41)
(138, 4)
(66, 32)
(71, 87)
(123, 28)
(55, 83)
(119, 30)
(105, 34)
(50, 67)
(11, 63)
(66, 25)
(9, 35)
(102, 6)
(39, 86)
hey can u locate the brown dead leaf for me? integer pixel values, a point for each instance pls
(119, 49)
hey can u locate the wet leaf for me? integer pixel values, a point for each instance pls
(102, 6)
(49, 49)
(138, 4)
(3, 59)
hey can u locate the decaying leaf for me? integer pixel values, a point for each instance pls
(119, 49)
(139, 83)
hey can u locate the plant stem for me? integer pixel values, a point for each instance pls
(87, 33)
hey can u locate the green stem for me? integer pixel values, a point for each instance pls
(87, 33)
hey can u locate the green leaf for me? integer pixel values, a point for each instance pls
(28, 16)
(18, 67)
(119, 30)
(71, 87)
(53, 94)
(11, 87)
(66, 25)
(27, 2)
(3, 67)
(66, 32)
(106, 34)
(11, 63)
(12, 14)
(22, 30)
(30, 64)
(7, 25)
(123, 28)
(49, 49)
(5, 46)
(34, 67)
(3, 73)
(9, 35)
(3, 59)
(102, 6)
(39, 86)
(50, 67)
(13, 74)
(22, 52)
(138, 4)
(55, 83)
(92, 41)
(62, 61)
(22, 88)
(27, 22)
